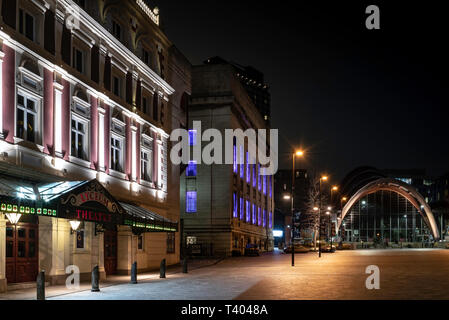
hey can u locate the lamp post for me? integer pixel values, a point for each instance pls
(323, 178)
(298, 153)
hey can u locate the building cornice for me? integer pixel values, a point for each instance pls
(118, 47)
(72, 79)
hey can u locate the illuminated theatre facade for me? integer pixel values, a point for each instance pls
(85, 111)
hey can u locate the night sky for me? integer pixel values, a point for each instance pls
(348, 95)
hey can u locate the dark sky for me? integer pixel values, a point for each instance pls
(348, 95)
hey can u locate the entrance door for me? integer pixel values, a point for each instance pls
(110, 252)
(22, 252)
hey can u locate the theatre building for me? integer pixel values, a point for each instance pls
(87, 103)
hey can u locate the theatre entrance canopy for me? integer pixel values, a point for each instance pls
(77, 200)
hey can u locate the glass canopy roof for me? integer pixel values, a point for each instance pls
(36, 191)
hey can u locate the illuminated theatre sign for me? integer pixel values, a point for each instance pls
(87, 201)
(90, 202)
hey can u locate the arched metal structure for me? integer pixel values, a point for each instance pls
(406, 190)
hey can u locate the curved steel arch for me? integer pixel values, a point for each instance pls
(406, 190)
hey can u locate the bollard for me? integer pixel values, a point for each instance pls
(134, 273)
(95, 279)
(184, 266)
(40, 285)
(163, 267)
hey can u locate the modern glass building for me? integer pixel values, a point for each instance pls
(384, 216)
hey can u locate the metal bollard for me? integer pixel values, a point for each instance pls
(95, 279)
(134, 273)
(184, 266)
(40, 285)
(162, 270)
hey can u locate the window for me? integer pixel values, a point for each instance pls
(117, 30)
(78, 60)
(242, 162)
(271, 186)
(146, 57)
(248, 171)
(254, 214)
(260, 177)
(191, 201)
(270, 220)
(26, 120)
(155, 107)
(265, 184)
(27, 25)
(192, 137)
(79, 139)
(254, 176)
(140, 242)
(259, 216)
(117, 154)
(146, 168)
(117, 86)
(248, 211)
(170, 242)
(80, 239)
(242, 209)
(191, 169)
(144, 105)
(235, 206)
(234, 158)
(264, 218)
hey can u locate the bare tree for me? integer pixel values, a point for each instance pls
(310, 219)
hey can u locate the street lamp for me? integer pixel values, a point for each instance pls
(297, 153)
(74, 224)
(322, 178)
(13, 217)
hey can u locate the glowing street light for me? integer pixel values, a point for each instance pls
(334, 188)
(74, 224)
(315, 209)
(299, 153)
(287, 197)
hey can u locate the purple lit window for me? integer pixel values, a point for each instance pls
(235, 206)
(191, 169)
(260, 177)
(191, 201)
(254, 214)
(259, 217)
(248, 171)
(264, 218)
(270, 220)
(254, 176)
(235, 158)
(192, 137)
(242, 162)
(248, 211)
(264, 184)
(271, 187)
(242, 209)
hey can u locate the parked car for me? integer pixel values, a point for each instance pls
(298, 249)
(251, 250)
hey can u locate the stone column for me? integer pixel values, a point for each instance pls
(3, 282)
(124, 250)
(54, 248)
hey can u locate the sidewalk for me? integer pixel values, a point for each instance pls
(60, 290)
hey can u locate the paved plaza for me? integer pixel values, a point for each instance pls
(404, 274)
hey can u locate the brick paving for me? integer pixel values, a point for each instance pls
(404, 274)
